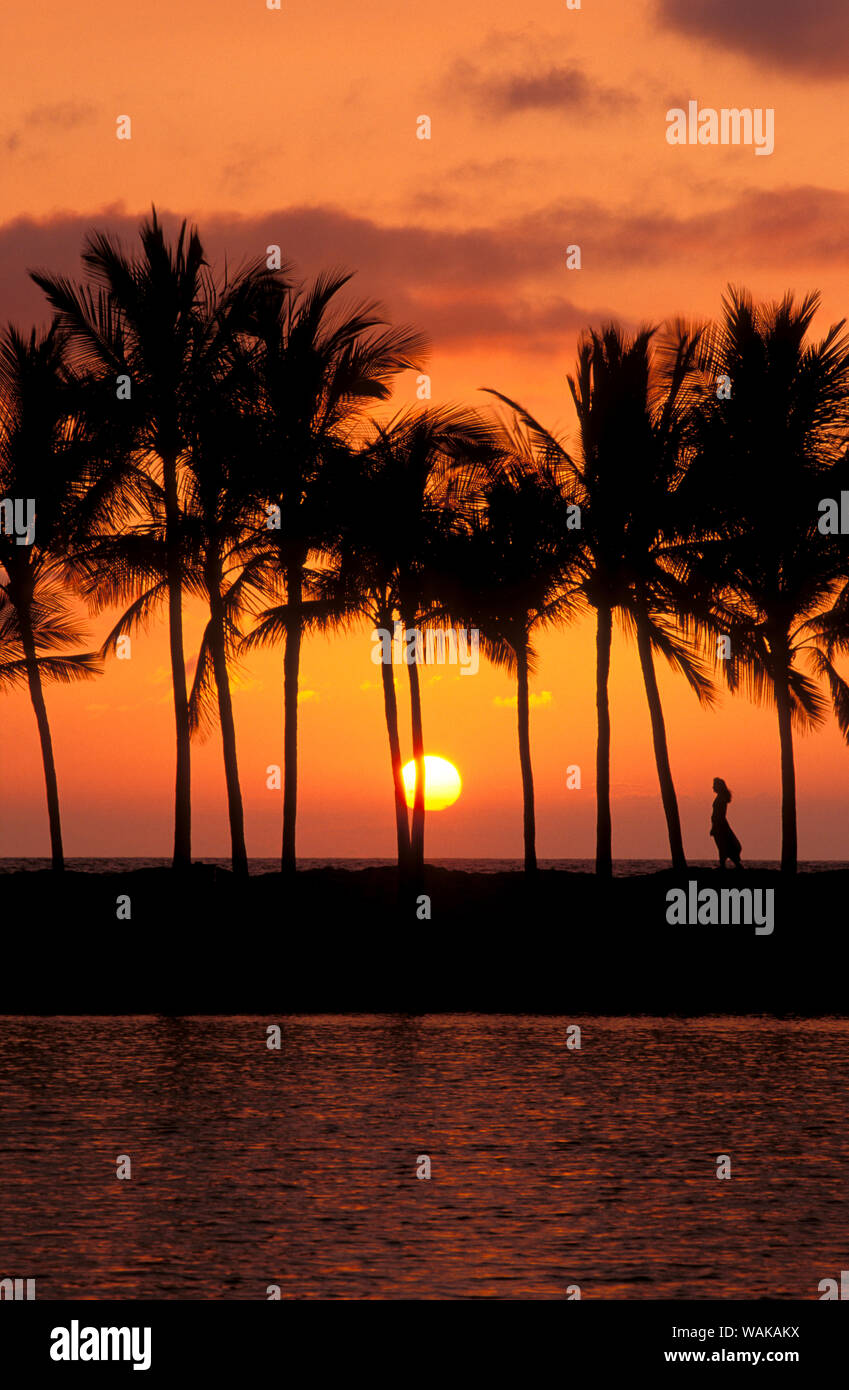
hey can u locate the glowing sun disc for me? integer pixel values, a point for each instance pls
(442, 783)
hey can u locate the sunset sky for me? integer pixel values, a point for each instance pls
(298, 127)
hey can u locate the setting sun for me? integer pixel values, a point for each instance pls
(442, 783)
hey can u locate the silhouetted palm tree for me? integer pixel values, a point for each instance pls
(322, 363)
(42, 458)
(222, 521)
(218, 515)
(131, 569)
(425, 457)
(151, 324)
(512, 570)
(767, 456)
(361, 582)
(634, 410)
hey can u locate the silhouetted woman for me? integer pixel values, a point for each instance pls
(727, 844)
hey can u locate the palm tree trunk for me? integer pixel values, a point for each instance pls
(780, 652)
(291, 666)
(37, 697)
(182, 782)
(661, 750)
(402, 824)
(235, 808)
(417, 837)
(604, 834)
(523, 716)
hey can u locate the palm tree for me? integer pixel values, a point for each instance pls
(218, 515)
(322, 362)
(361, 582)
(767, 455)
(151, 323)
(426, 458)
(222, 527)
(42, 460)
(131, 569)
(511, 571)
(634, 407)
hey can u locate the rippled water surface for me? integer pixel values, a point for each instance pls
(297, 1167)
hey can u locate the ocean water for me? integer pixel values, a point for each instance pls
(622, 868)
(549, 1166)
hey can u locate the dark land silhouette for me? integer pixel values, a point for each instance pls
(341, 940)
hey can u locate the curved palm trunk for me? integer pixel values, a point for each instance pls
(37, 697)
(604, 834)
(417, 836)
(780, 649)
(235, 808)
(291, 665)
(523, 720)
(182, 781)
(402, 825)
(661, 750)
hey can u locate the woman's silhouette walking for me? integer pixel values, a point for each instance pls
(727, 844)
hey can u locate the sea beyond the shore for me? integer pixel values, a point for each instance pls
(622, 868)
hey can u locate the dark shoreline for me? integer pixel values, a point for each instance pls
(343, 940)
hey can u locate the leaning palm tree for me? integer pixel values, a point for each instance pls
(43, 464)
(634, 408)
(150, 326)
(35, 632)
(768, 454)
(321, 364)
(512, 571)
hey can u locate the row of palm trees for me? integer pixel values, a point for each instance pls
(190, 435)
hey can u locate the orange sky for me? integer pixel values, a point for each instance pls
(298, 127)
